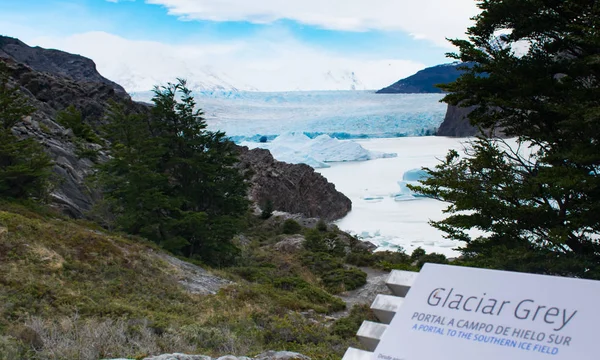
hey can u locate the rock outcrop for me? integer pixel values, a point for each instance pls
(456, 123)
(193, 278)
(296, 189)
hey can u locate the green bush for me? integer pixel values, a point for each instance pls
(340, 280)
(347, 327)
(321, 226)
(71, 118)
(291, 226)
(417, 254)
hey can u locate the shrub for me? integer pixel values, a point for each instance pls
(291, 226)
(340, 280)
(417, 254)
(71, 118)
(348, 326)
(433, 258)
(321, 225)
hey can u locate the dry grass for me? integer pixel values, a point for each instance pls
(92, 339)
(69, 291)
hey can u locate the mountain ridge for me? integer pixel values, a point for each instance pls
(424, 81)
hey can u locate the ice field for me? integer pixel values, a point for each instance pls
(248, 116)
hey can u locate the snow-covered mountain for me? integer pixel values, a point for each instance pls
(203, 79)
(135, 79)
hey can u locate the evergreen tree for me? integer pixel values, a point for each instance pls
(173, 181)
(24, 166)
(536, 77)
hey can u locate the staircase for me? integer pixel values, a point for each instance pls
(384, 307)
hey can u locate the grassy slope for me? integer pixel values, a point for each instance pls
(70, 291)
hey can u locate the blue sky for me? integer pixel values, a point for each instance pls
(258, 44)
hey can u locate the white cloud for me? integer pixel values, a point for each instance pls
(267, 65)
(433, 20)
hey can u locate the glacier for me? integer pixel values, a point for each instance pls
(296, 148)
(248, 116)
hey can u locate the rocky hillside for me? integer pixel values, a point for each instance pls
(424, 81)
(54, 80)
(50, 93)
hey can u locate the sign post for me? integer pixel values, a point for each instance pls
(457, 313)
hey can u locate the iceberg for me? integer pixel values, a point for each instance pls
(415, 175)
(298, 148)
(410, 177)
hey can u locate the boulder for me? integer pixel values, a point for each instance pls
(281, 355)
(179, 357)
(269, 355)
(290, 244)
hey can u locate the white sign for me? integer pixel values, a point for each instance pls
(457, 313)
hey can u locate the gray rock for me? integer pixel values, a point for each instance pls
(290, 244)
(376, 284)
(231, 357)
(281, 355)
(367, 245)
(193, 278)
(456, 123)
(179, 357)
(269, 355)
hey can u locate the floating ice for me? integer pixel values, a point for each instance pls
(297, 148)
(410, 177)
(415, 175)
(373, 198)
